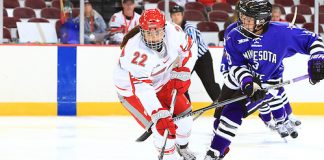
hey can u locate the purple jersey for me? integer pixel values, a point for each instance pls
(263, 55)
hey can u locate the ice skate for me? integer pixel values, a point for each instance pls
(270, 125)
(184, 152)
(295, 121)
(282, 130)
(291, 129)
(210, 155)
(225, 152)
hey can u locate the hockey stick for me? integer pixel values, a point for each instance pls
(295, 16)
(202, 113)
(197, 116)
(147, 133)
(62, 16)
(166, 132)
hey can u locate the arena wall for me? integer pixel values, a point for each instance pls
(77, 80)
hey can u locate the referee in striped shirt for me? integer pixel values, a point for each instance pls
(204, 63)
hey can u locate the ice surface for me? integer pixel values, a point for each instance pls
(113, 138)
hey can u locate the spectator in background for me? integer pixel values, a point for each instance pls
(182, 3)
(94, 25)
(123, 21)
(232, 18)
(69, 30)
(209, 3)
(221, 1)
(66, 11)
(276, 14)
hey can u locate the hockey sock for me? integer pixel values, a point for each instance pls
(288, 108)
(265, 113)
(227, 127)
(279, 115)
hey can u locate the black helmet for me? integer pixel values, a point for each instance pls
(260, 10)
(176, 9)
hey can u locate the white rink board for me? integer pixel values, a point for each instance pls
(302, 91)
(95, 70)
(28, 73)
(95, 66)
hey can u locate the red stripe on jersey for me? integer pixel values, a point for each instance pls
(132, 83)
(162, 70)
(145, 81)
(188, 46)
(186, 59)
(121, 88)
(159, 87)
(122, 53)
(189, 43)
(139, 80)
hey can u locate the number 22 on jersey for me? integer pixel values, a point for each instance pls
(139, 59)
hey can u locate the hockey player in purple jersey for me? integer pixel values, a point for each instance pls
(274, 107)
(255, 50)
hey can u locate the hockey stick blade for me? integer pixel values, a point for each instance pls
(148, 133)
(197, 116)
(145, 135)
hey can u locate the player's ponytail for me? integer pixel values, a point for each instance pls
(129, 35)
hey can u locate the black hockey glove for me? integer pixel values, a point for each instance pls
(252, 88)
(316, 68)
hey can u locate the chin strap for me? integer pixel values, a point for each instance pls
(248, 34)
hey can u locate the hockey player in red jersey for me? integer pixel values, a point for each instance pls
(155, 60)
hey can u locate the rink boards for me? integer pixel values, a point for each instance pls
(77, 80)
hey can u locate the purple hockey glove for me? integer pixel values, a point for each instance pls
(316, 68)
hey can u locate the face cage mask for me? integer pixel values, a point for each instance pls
(259, 25)
(155, 45)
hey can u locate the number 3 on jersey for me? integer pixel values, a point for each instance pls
(139, 59)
